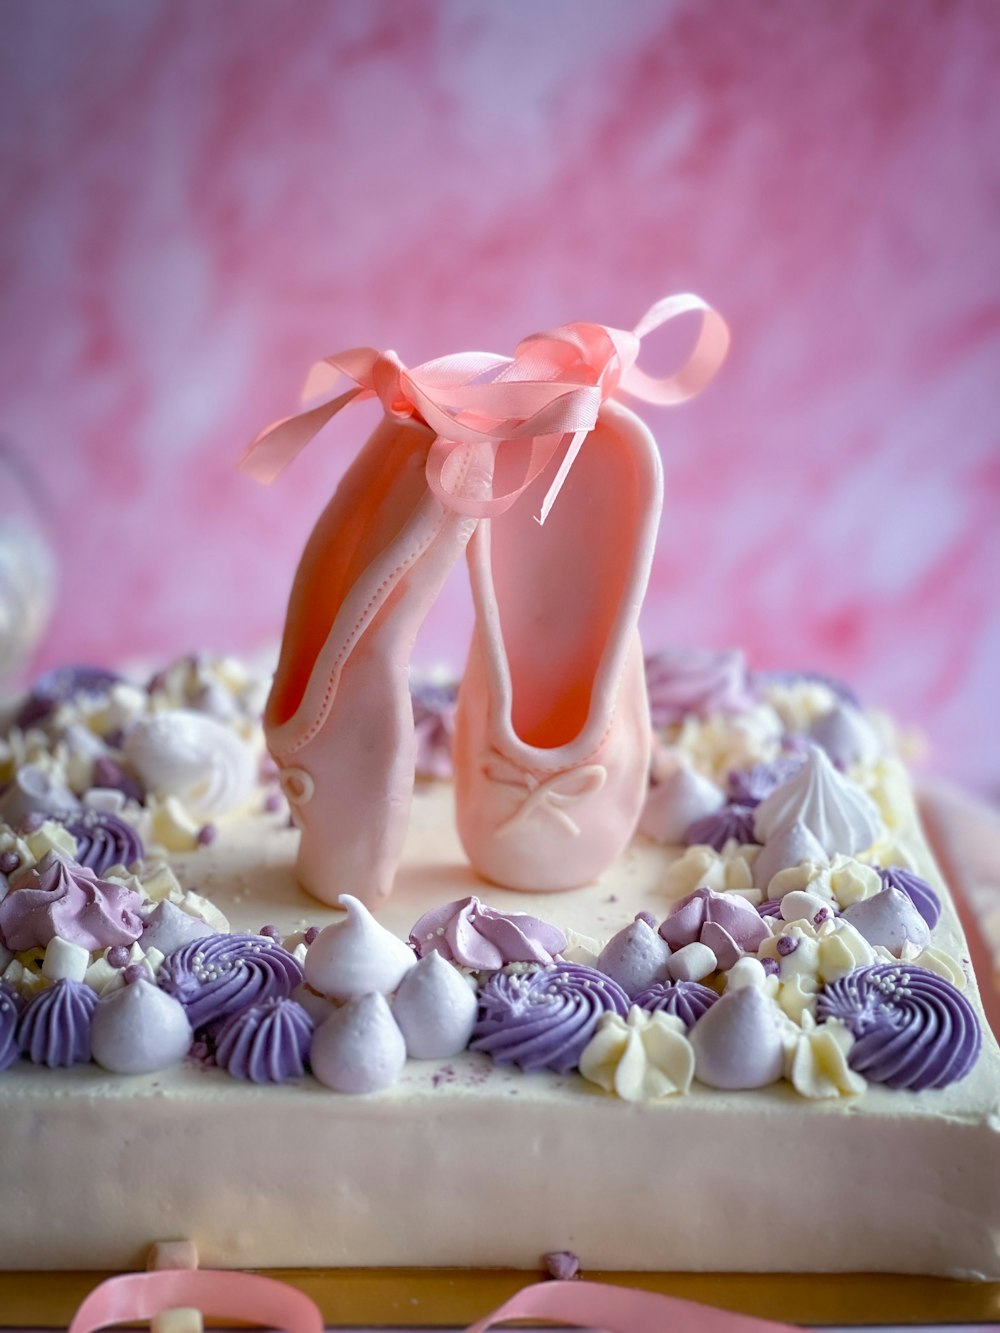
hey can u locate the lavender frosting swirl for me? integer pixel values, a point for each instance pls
(267, 1043)
(484, 939)
(544, 1017)
(686, 1000)
(715, 830)
(913, 1029)
(750, 786)
(220, 975)
(63, 898)
(104, 840)
(10, 1009)
(919, 892)
(54, 1028)
(683, 680)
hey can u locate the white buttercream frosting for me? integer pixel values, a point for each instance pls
(194, 758)
(730, 870)
(833, 808)
(356, 956)
(435, 1008)
(640, 1058)
(359, 1048)
(816, 1060)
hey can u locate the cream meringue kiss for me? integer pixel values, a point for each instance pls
(839, 815)
(356, 956)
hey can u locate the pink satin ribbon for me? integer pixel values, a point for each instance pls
(551, 389)
(261, 1300)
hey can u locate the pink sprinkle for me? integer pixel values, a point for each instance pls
(311, 934)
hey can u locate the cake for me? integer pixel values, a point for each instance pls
(755, 1044)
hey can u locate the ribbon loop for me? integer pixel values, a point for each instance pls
(551, 390)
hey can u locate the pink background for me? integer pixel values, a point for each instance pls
(200, 199)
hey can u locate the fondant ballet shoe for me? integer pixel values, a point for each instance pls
(339, 721)
(553, 731)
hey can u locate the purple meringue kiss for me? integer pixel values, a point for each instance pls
(267, 1043)
(103, 840)
(476, 936)
(913, 1029)
(220, 975)
(63, 898)
(689, 916)
(54, 1028)
(715, 830)
(686, 680)
(11, 1005)
(919, 892)
(64, 685)
(686, 1000)
(434, 726)
(750, 786)
(544, 1017)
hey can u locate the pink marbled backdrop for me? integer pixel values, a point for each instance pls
(202, 196)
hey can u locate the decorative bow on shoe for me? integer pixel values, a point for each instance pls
(551, 388)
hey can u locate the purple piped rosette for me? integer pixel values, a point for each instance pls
(542, 1018)
(912, 1028)
(686, 1000)
(715, 830)
(919, 892)
(220, 975)
(11, 1005)
(770, 908)
(267, 1043)
(103, 840)
(54, 1028)
(751, 786)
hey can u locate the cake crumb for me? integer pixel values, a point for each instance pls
(562, 1265)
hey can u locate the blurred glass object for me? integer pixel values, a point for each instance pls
(27, 564)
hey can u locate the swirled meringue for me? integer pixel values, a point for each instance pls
(641, 1058)
(834, 810)
(913, 1029)
(267, 1043)
(139, 1028)
(194, 758)
(674, 804)
(688, 680)
(739, 1041)
(889, 919)
(359, 1048)
(356, 956)
(479, 937)
(543, 1018)
(435, 1008)
(54, 1027)
(636, 957)
(223, 974)
(816, 1062)
(58, 897)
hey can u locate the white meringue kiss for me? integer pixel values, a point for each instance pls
(359, 1048)
(356, 956)
(138, 1029)
(839, 815)
(674, 804)
(435, 1008)
(192, 757)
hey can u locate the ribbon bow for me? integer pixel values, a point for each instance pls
(551, 388)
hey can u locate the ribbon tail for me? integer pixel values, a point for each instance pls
(552, 494)
(278, 444)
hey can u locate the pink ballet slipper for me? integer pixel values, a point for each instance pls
(339, 721)
(553, 733)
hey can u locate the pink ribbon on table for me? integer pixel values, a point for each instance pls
(552, 388)
(261, 1300)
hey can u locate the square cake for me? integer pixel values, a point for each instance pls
(755, 1044)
